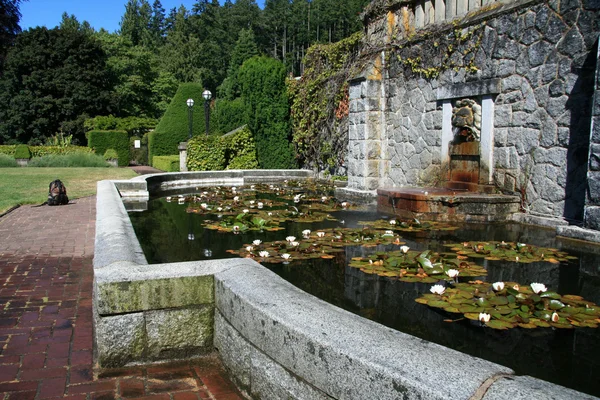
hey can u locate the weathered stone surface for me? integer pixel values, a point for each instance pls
(526, 387)
(119, 340)
(179, 333)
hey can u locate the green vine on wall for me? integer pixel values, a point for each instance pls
(320, 102)
(455, 50)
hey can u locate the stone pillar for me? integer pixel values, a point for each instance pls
(447, 134)
(183, 156)
(487, 139)
(365, 134)
(592, 201)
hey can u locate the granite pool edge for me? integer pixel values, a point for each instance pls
(277, 341)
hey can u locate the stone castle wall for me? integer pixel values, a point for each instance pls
(532, 64)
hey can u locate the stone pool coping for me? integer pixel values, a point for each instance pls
(276, 340)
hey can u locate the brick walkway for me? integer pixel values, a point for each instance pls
(46, 318)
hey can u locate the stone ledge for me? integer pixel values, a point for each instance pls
(575, 232)
(339, 353)
(356, 195)
(529, 219)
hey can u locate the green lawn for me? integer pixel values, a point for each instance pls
(30, 185)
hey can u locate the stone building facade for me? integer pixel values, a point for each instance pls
(530, 66)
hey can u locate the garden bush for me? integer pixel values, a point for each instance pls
(111, 154)
(166, 163)
(101, 141)
(9, 149)
(133, 125)
(71, 160)
(7, 161)
(206, 154)
(22, 152)
(240, 149)
(173, 127)
(229, 114)
(262, 82)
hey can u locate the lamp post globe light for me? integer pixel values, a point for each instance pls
(190, 104)
(207, 96)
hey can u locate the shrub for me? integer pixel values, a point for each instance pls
(173, 127)
(111, 154)
(262, 82)
(240, 149)
(236, 150)
(206, 154)
(22, 151)
(7, 161)
(166, 163)
(39, 151)
(71, 160)
(8, 150)
(101, 141)
(133, 125)
(229, 114)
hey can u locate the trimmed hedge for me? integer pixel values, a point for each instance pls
(236, 150)
(229, 114)
(166, 163)
(40, 151)
(111, 154)
(22, 152)
(139, 156)
(173, 127)
(72, 160)
(101, 141)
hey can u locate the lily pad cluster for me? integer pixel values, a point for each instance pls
(510, 251)
(505, 305)
(413, 225)
(414, 266)
(318, 244)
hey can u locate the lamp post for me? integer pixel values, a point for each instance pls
(190, 104)
(207, 95)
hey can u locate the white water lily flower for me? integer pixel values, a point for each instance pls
(538, 288)
(260, 205)
(270, 214)
(219, 209)
(245, 211)
(294, 244)
(181, 200)
(285, 256)
(168, 199)
(252, 187)
(392, 222)
(437, 289)
(498, 286)
(555, 316)
(404, 249)
(344, 204)
(306, 233)
(257, 242)
(516, 287)
(236, 228)
(320, 234)
(290, 238)
(249, 249)
(324, 199)
(452, 273)
(483, 317)
(204, 206)
(263, 253)
(236, 198)
(251, 201)
(388, 233)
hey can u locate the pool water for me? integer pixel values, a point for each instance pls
(568, 357)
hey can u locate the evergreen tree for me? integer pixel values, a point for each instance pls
(262, 82)
(245, 48)
(157, 24)
(135, 22)
(9, 25)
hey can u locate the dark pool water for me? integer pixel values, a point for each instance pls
(567, 357)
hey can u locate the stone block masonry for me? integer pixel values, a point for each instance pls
(541, 58)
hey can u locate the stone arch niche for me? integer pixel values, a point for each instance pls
(468, 130)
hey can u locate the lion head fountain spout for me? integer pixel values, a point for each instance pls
(466, 120)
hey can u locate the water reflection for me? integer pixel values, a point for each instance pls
(566, 357)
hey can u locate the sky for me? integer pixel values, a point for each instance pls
(100, 14)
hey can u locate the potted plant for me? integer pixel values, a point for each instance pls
(111, 157)
(22, 155)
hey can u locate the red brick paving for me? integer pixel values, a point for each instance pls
(46, 319)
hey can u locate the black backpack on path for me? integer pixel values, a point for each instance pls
(57, 193)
